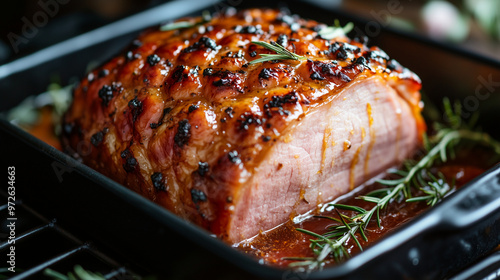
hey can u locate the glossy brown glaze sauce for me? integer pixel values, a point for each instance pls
(285, 241)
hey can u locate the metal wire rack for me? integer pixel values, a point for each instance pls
(41, 243)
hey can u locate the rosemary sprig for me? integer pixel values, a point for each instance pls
(281, 53)
(435, 190)
(206, 17)
(331, 32)
(333, 242)
(415, 175)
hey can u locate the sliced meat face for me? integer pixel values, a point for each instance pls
(358, 134)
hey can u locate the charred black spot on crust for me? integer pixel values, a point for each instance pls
(106, 94)
(249, 29)
(234, 157)
(265, 73)
(103, 73)
(252, 50)
(203, 43)
(221, 82)
(179, 74)
(182, 72)
(376, 55)
(321, 70)
(282, 40)
(202, 168)
(130, 162)
(183, 134)
(229, 111)
(227, 79)
(207, 72)
(194, 71)
(316, 76)
(153, 59)
(341, 50)
(379, 56)
(198, 196)
(266, 138)
(157, 179)
(192, 108)
(238, 54)
(97, 138)
(160, 122)
(248, 119)
(361, 61)
(341, 53)
(125, 153)
(277, 101)
(136, 108)
(207, 42)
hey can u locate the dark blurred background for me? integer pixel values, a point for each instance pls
(30, 25)
(50, 21)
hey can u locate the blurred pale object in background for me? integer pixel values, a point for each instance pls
(442, 20)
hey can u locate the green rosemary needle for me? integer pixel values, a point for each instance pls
(281, 53)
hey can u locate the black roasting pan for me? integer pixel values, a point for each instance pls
(435, 245)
